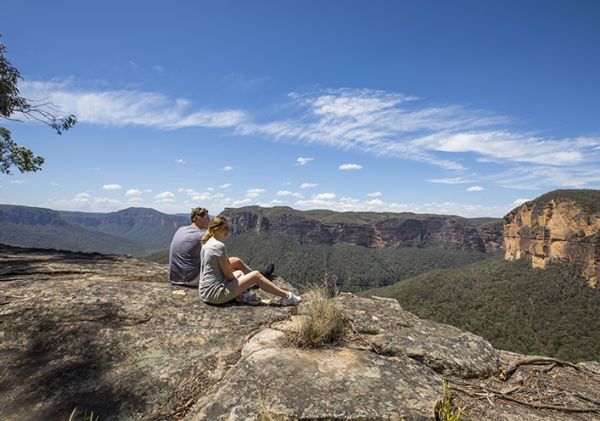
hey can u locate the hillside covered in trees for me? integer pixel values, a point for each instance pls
(518, 308)
(352, 268)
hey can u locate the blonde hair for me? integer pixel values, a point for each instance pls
(216, 224)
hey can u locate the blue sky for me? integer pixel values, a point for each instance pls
(462, 107)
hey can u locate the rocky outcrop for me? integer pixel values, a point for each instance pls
(109, 334)
(558, 229)
(370, 229)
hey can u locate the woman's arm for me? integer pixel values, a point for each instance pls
(226, 267)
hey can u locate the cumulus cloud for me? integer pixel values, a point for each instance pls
(520, 201)
(128, 107)
(252, 193)
(475, 188)
(288, 193)
(324, 196)
(227, 168)
(303, 161)
(374, 194)
(350, 204)
(349, 167)
(85, 202)
(133, 192)
(112, 187)
(164, 195)
(308, 185)
(226, 185)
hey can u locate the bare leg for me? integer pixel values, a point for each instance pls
(238, 264)
(256, 278)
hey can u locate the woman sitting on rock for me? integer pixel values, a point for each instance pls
(218, 282)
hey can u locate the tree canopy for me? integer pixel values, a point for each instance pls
(11, 105)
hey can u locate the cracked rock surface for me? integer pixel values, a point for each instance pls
(109, 334)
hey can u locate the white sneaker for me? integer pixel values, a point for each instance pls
(247, 297)
(291, 300)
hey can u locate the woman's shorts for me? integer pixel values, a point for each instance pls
(221, 294)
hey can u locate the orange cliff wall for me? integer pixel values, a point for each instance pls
(558, 230)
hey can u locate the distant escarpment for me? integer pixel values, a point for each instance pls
(135, 231)
(563, 225)
(370, 229)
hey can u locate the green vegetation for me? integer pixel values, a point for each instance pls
(446, 410)
(324, 322)
(588, 199)
(530, 311)
(325, 216)
(75, 416)
(11, 104)
(353, 268)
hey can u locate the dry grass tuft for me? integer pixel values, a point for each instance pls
(324, 324)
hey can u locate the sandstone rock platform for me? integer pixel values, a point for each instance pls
(110, 334)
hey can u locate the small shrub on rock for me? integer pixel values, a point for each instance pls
(324, 322)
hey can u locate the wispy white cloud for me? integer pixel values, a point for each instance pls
(303, 161)
(373, 122)
(475, 188)
(180, 161)
(503, 145)
(374, 194)
(18, 181)
(227, 168)
(544, 177)
(449, 136)
(128, 107)
(112, 187)
(452, 180)
(226, 185)
(349, 167)
(308, 185)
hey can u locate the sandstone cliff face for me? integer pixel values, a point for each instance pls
(391, 231)
(556, 230)
(109, 334)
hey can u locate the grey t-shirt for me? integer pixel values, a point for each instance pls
(184, 256)
(211, 276)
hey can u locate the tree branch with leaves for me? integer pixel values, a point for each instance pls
(11, 105)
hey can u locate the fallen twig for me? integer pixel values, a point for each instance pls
(506, 397)
(505, 374)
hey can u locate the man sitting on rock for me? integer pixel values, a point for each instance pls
(184, 255)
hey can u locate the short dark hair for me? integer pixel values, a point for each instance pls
(197, 213)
